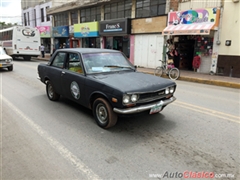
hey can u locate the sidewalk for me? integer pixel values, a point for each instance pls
(191, 76)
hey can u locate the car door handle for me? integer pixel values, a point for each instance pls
(63, 73)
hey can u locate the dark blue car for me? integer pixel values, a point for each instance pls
(106, 82)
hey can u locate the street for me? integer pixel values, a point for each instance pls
(41, 139)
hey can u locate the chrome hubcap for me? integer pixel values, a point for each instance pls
(101, 112)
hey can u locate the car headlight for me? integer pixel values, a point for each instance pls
(172, 89)
(167, 90)
(8, 60)
(130, 98)
(134, 98)
(126, 99)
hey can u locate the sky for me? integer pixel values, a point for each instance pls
(10, 11)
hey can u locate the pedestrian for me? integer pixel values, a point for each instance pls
(61, 46)
(42, 49)
(64, 45)
(176, 57)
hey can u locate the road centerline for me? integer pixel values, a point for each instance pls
(211, 112)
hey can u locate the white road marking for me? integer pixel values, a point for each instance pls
(210, 112)
(1, 121)
(79, 165)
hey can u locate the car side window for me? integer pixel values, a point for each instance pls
(74, 63)
(59, 60)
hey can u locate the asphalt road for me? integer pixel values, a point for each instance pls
(41, 139)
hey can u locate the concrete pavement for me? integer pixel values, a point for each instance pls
(191, 76)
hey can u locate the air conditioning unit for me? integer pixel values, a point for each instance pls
(235, 1)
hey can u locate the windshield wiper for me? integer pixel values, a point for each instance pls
(115, 66)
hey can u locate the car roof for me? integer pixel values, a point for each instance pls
(87, 50)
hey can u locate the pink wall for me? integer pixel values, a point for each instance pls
(132, 42)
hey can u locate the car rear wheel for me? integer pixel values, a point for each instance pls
(10, 68)
(52, 95)
(103, 113)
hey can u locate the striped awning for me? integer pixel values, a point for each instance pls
(189, 29)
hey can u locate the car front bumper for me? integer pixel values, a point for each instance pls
(133, 110)
(5, 65)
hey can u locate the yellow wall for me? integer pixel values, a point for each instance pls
(230, 29)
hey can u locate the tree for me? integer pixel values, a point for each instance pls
(4, 25)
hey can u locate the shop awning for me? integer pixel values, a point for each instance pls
(189, 29)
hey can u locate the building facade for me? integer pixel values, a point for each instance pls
(140, 29)
(229, 38)
(116, 25)
(219, 50)
(34, 15)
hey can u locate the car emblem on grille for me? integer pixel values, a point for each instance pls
(161, 93)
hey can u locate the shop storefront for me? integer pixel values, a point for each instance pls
(147, 42)
(87, 34)
(45, 35)
(61, 36)
(73, 42)
(192, 34)
(116, 34)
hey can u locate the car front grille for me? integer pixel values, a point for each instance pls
(148, 97)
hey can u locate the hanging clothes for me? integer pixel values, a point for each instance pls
(196, 62)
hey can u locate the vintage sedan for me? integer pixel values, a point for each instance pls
(6, 61)
(106, 82)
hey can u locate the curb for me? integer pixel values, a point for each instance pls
(203, 81)
(211, 82)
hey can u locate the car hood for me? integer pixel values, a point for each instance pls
(4, 56)
(134, 81)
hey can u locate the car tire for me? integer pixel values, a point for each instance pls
(103, 113)
(10, 68)
(52, 95)
(27, 58)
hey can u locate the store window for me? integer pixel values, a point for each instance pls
(90, 14)
(42, 15)
(74, 17)
(91, 43)
(61, 19)
(28, 18)
(150, 8)
(118, 10)
(48, 17)
(35, 18)
(25, 19)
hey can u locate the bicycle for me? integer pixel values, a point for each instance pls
(172, 72)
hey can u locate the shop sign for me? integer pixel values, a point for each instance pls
(115, 27)
(45, 31)
(86, 29)
(197, 16)
(60, 31)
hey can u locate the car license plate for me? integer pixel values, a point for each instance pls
(157, 108)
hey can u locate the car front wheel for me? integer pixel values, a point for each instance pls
(52, 95)
(103, 113)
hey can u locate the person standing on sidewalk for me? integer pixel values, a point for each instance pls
(42, 49)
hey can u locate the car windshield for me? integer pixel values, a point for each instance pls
(105, 62)
(2, 51)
